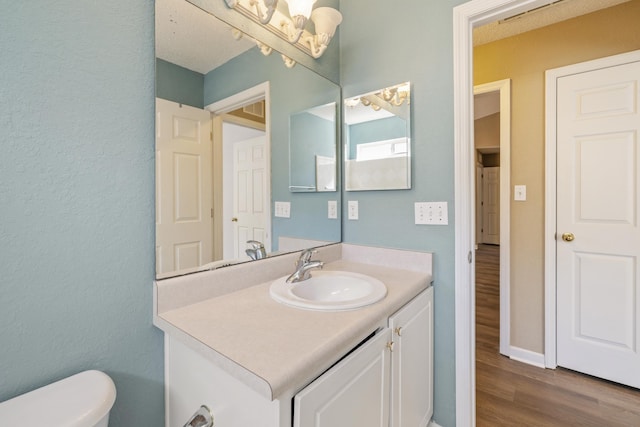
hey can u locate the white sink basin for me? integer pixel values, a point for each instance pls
(329, 290)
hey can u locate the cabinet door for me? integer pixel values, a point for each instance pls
(354, 393)
(412, 362)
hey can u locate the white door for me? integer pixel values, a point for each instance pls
(598, 240)
(251, 200)
(491, 205)
(353, 393)
(183, 187)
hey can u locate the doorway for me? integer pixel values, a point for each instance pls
(492, 147)
(232, 131)
(474, 13)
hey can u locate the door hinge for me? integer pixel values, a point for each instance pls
(470, 257)
(211, 212)
(210, 136)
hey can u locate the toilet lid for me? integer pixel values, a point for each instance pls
(78, 401)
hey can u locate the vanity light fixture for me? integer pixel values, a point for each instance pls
(264, 49)
(393, 95)
(292, 28)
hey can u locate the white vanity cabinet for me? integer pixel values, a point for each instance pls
(359, 392)
(412, 363)
(353, 393)
(387, 381)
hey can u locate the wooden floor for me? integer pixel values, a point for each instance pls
(510, 393)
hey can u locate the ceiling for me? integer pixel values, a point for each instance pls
(194, 39)
(554, 11)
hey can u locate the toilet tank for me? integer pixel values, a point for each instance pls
(82, 400)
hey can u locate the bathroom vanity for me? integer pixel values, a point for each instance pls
(254, 361)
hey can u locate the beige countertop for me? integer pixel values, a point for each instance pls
(286, 347)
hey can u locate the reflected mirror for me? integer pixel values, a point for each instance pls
(377, 135)
(223, 113)
(312, 149)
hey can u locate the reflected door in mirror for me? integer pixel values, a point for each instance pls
(250, 194)
(183, 187)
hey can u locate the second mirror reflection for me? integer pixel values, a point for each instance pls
(312, 149)
(377, 134)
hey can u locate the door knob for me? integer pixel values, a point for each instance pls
(568, 237)
(234, 219)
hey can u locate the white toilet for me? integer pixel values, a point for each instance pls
(82, 400)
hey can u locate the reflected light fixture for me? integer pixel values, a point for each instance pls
(390, 96)
(292, 28)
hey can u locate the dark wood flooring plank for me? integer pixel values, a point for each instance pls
(511, 393)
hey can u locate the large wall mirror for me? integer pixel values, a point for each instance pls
(224, 115)
(377, 135)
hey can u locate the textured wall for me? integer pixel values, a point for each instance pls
(383, 45)
(178, 84)
(76, 200)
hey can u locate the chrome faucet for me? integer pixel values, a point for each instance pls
(304, 265)
(256, 251)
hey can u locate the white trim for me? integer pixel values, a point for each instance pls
(527, 356)
(504, 87)
(248, 96)
(466, 16)
(167, 385)
(551, 77)
(433, 424)
(550, 221)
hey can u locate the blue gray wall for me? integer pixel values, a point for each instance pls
(179, 84)
(373, 131)
(76, 185)
(76, 200)
(421, 52)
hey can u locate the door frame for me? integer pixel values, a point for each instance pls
(550, 284)
(465, 17)
(218, 110)
(504, 87)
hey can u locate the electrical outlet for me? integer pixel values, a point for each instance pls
(283, 209)
(353, 209)
(431, 213)
(332, 207)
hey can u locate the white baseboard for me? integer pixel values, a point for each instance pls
(527, 356)
(433, 424)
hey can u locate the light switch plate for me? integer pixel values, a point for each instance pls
(332, 208)
(283, 209)
(431, 213)
(520, 193)
(353, 209)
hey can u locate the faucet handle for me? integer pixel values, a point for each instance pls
(305, 255)
(255, 244)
